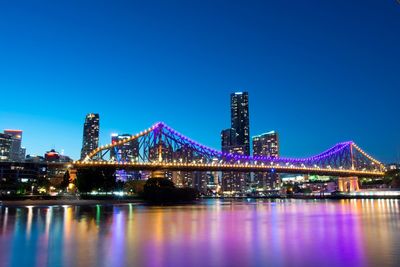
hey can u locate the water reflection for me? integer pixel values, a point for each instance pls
(213, 233)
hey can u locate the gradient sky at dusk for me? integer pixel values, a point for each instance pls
(318, 72)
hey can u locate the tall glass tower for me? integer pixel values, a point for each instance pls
(90, 134)
(240, 120)
(237, 140)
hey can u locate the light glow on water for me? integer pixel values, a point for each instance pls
(211, 233)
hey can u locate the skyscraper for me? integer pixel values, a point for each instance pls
(267, 145)
(240, 120)
(228, 140)
(237, 140)
(17, 153)
(90, 134)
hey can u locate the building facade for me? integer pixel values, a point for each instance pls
(228, 140)
(266, 145)
(240, 120)
(91, 130)
(17, 153)
(21, 177)
(232, 182)
(127, 152)
(237, 140)
(5, 147)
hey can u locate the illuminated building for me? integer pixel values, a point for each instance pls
(240, 120)
(17, 153)
(237, 140)
(234, 182)
(228, 140)
(393, 166)
(54, 156)
(197, 179)
(165, 155)
(215, 174)
(5, 147)
(200, 181)
(90, 134)
(267, 145)
(127, 152)
(183, 178)
(23, 174)
(57, 166)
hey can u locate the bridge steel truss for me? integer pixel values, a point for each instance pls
(162, 148)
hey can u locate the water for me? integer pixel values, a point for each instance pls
(211, 233)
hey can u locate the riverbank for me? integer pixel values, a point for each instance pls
(68, 202)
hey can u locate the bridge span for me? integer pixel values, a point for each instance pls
(161, 148)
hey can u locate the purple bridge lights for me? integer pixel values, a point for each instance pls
(162, 148)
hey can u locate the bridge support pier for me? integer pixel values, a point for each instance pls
(157, 174)
(348, 184)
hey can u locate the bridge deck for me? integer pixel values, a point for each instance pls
(227, 168)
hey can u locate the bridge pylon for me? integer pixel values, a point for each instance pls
(348, 184)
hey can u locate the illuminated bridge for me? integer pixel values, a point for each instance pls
(161, 148)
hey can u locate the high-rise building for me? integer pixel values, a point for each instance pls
(90, 134)
(183, 178)
(127, 152)
(228, 140)
(232, 182)
(237, 140)
(240, 120)
(5, 147)
(267, 145)
(200, 181)
(17, 153)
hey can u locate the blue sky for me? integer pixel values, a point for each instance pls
(318, 72)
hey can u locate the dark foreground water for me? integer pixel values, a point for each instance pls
(211, 233)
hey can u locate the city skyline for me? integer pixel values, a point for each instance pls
(199, 133)
(327, 87)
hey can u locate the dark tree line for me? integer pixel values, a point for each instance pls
(96, 179)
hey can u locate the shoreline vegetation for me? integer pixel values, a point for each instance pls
(94, 186)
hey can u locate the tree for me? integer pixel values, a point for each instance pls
(66, 180)
(164, 191)
(96, 179)
(392, 177)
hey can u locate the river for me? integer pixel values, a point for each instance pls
(209, 233)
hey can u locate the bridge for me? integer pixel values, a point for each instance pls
(161, 148)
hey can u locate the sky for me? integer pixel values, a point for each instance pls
(318, 72)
